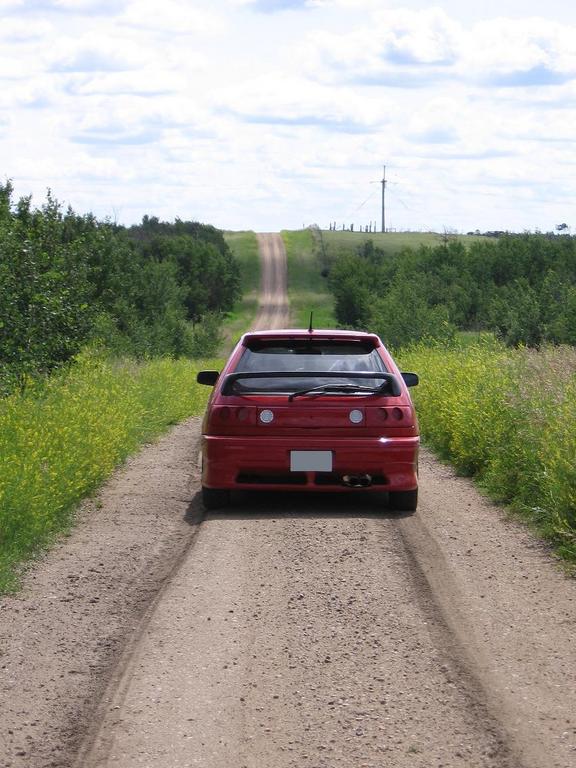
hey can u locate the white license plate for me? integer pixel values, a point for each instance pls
(311, 461)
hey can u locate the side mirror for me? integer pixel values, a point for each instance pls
(207, 377)
(410, 379)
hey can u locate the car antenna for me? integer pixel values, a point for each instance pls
(310, 329)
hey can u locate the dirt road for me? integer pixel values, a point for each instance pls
(289, 632)
(273, 311)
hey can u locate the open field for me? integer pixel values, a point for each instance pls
(336, 242)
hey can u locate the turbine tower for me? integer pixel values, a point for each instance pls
(384, 201)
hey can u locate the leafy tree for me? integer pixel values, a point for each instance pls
(519, 286)
(68, 280)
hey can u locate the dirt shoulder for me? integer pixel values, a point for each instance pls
(62, 635)
(509, 608)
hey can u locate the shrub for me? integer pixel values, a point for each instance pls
(507, 417)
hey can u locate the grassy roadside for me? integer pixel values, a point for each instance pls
(61, 438)
(508, 418)
(307, 289)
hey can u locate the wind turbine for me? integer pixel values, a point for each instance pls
(383, 182)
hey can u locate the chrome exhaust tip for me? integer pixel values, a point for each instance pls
(357, 481)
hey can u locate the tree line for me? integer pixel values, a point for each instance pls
(68, 280)
(521, 287)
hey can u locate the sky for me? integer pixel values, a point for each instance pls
(280, 114)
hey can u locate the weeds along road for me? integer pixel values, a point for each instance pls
(290, 631)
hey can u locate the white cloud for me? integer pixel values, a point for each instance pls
(87, 6)
(284, 100)
(428, 37)
(398, 47)
(404, 48)
(12, 70)
(97, 53)
(176, 16)
(153, 83)
(437, 122)
(533, 49)
(276, 6)
(16, 30)
(70, 7)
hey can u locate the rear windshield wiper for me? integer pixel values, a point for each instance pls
(390, 384)
(327, 388)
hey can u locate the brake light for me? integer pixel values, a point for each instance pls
(395, 414)
(224, 413)
(228, 418)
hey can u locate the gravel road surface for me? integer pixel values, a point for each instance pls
(273, 311)
(290, 631)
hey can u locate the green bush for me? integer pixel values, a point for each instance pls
(68, 281)
(507, 417)
(521, 287)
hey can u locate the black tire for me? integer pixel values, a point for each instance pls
(215, 498)
(403, 501)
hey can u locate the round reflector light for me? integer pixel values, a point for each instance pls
(356, 416)
(266, 416)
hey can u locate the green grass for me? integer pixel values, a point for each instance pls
(244, 246)
(391, 242)
(508, 418)
(61, 438)
(307, 289)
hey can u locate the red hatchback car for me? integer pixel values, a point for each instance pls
(311, 411)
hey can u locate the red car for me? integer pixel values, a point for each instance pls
(297, 410)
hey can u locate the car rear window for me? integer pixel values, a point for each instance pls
(318, 356)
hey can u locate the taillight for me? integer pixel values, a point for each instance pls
(223, 413)
(395, 414)
(229, 418)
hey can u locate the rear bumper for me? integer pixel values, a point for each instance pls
(257, 463)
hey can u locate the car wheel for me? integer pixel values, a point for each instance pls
(403, 501)
(215, 498)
